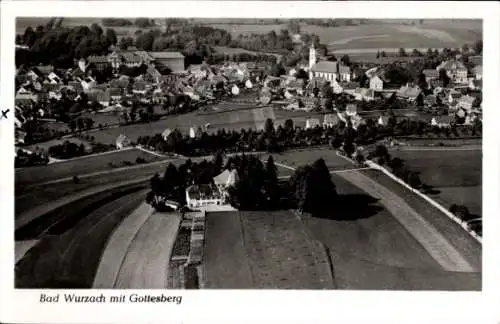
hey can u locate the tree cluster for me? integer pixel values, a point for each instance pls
(67, 150)
(312, 188)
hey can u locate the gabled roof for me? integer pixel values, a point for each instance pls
(451, 65)
(444, 119)
(351, 108)
(331, 119)
(326, 66)
(166, 55)
(349, 85)
(467, 99)
(97, 59)
(429, 73)
(409, 92)
(312, 122)
(226, 178)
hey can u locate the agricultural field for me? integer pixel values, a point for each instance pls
(262, 250)
(298, 158)
(67, 254)
(82, 165)
(46, 145)
(231, 51)
(455, 175)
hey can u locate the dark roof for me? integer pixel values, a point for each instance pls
(326, 66)
(431, 73)
(166, 55)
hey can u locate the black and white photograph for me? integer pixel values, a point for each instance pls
(173, 156)
(248, 154)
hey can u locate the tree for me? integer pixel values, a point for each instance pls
(269, 127)
(289, 125)
(346, 60)
(478, 47)
(276, 70)
(383, 54)
(402, 52)
(414, 180)
(126, 42)
(111, 36)
(443, 76)
(348, 147)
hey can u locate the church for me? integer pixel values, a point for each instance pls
(330, 71)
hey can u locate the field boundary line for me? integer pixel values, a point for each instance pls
(426, 198)
(149, 151)
(33, 214)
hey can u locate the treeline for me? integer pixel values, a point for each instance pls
(288, 136)
(67, 150)
(25, 159)
(59, 46)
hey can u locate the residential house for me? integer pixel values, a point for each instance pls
(225, 180)
(430, 76)
(475, 84)
(173, 60)
(357, 121)
(349, 87)
(198, 71)
(455, 70)
(461, 113)
(466, 102)
(410, 93)
(344, 73)
(45, 70)
(477, 72)
(115, 94)
(351, 109)
(430, 101)
(24, 96)
(376, 83)
(122, 141)
(476, 60)
(453, 96)
(166, 133)
(88, 84)
(139, 87)
(100, 62)
(54, 78)
(200, 196)
(383, 120)
(442, 121)
(337, 88)
(312, 123)
(364, 94)
(330, 120)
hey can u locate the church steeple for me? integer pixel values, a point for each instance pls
(312, 56)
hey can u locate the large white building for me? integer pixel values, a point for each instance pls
(330, 71)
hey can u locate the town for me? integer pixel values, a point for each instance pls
(162, 141)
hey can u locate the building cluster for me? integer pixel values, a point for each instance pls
(460, 98)
(212, 196)
(162, 79)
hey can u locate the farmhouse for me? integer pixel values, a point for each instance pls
(173, 60)
(442, 121)
(122, 141)
(455, 70)
(351, 110)
(430, 75)
(409, 93)
(202, 196)
(376, 83)
(466, 102)
(312, 123)
(330, 120)
(225, 180)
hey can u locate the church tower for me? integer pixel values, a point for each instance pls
(312, 56)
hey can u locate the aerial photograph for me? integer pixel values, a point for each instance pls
(197, 153)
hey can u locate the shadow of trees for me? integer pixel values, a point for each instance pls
(351, 207)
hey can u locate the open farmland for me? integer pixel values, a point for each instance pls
(81, 165)
(455, 175)
(298, 158)
(70, 257)
(262, 250)
(46, 145)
